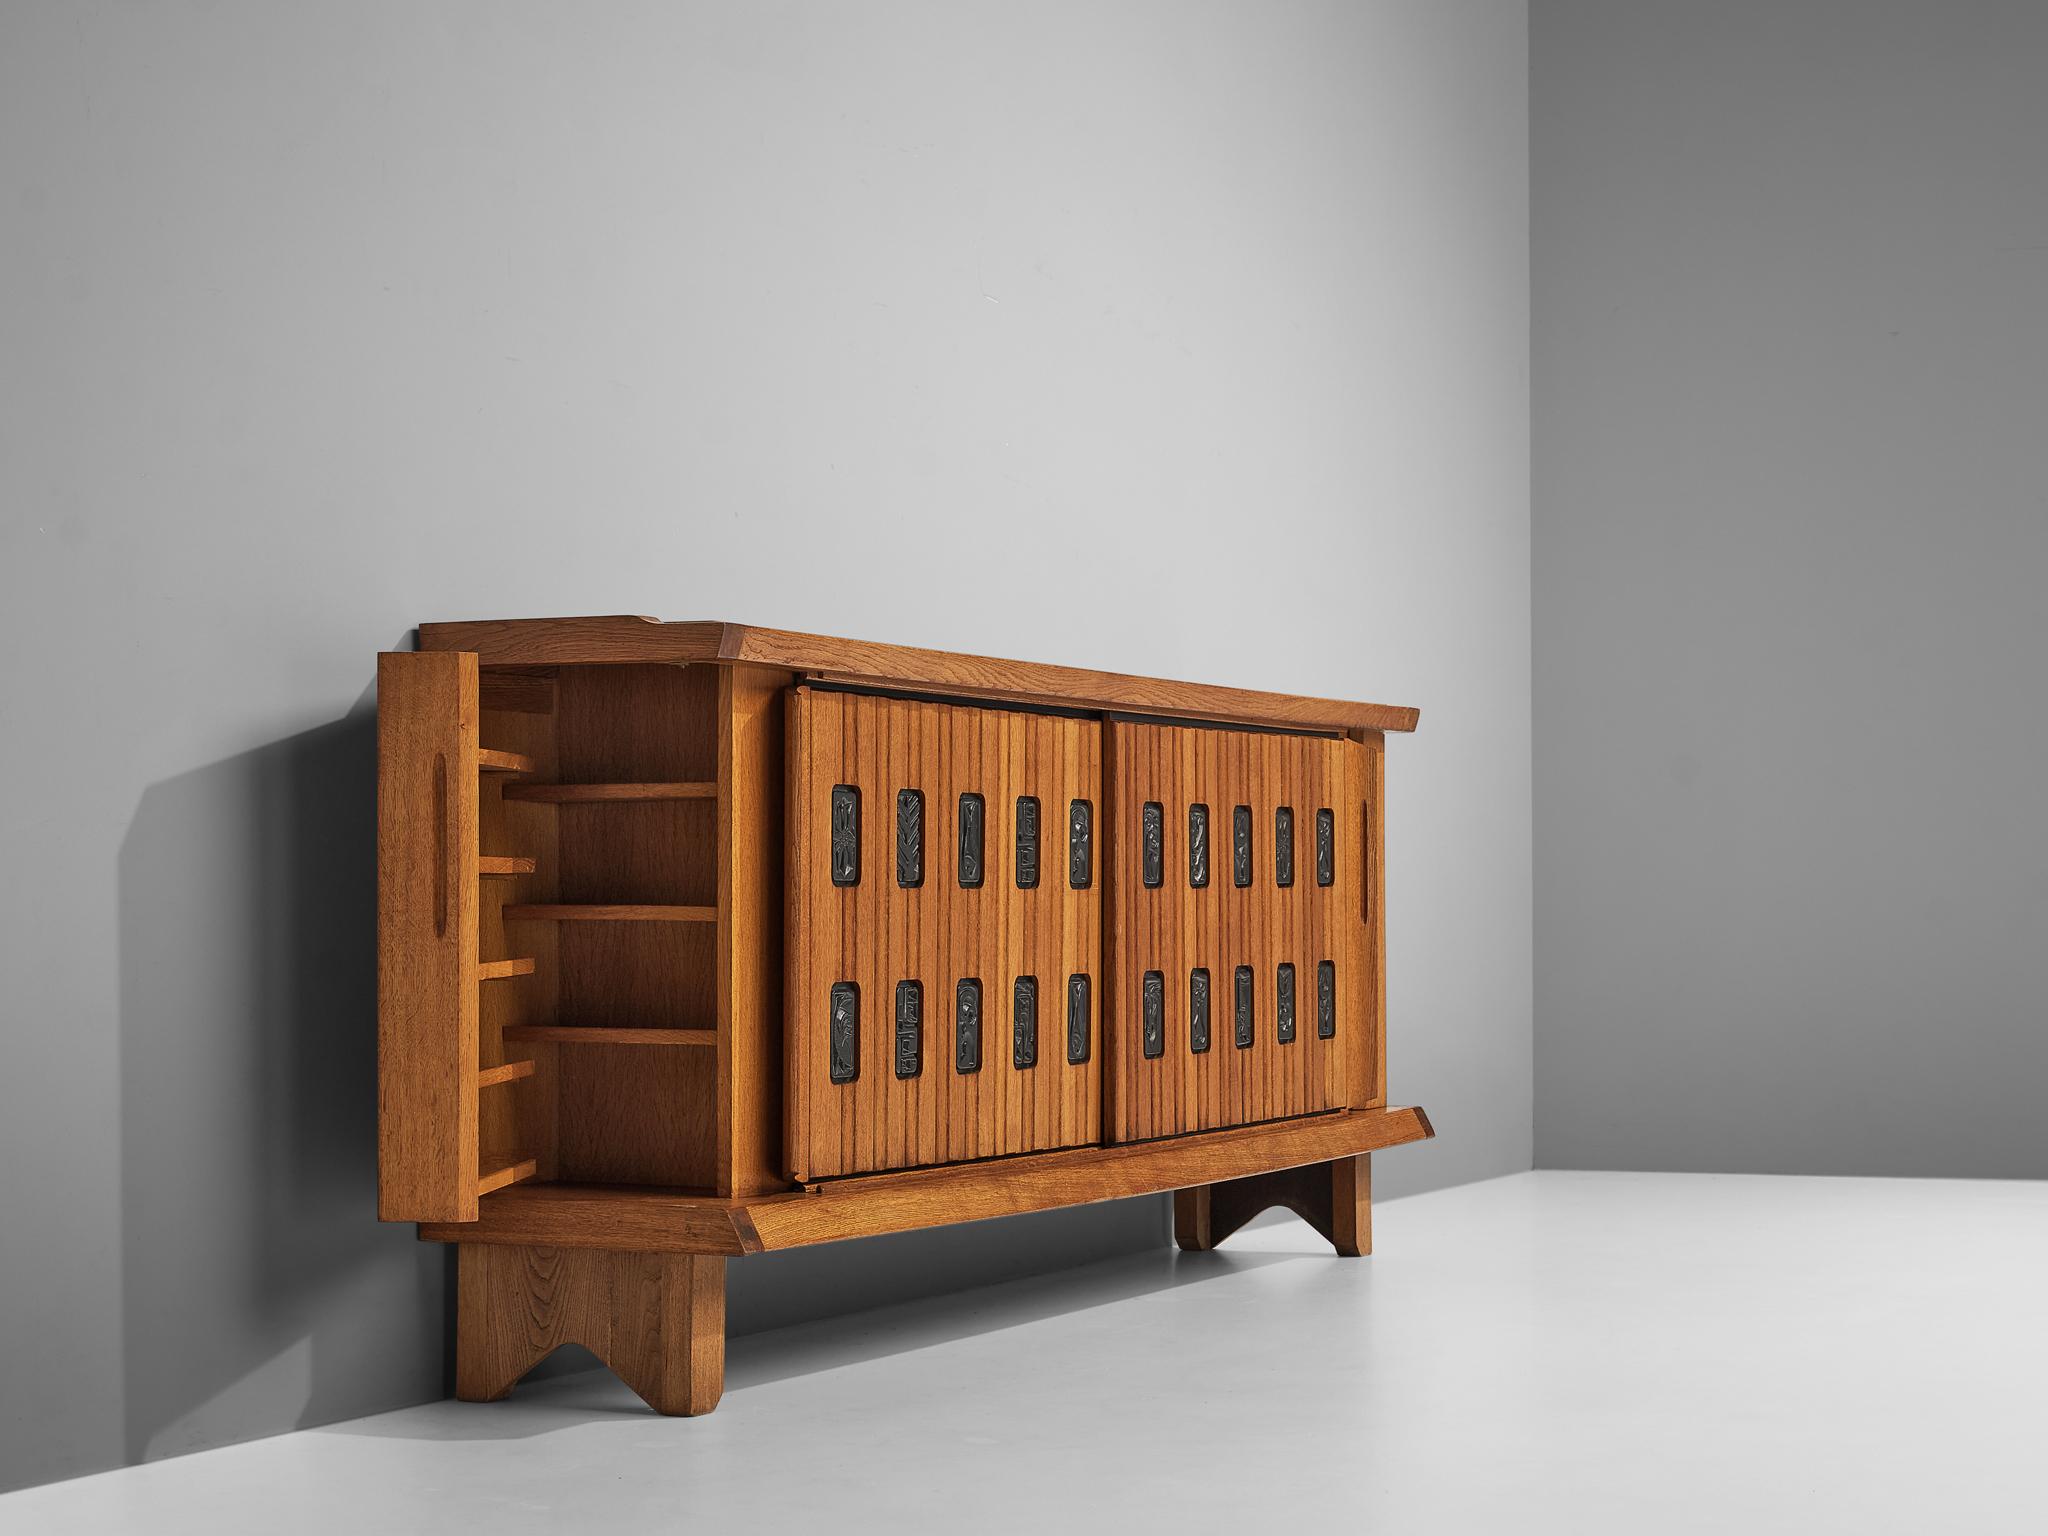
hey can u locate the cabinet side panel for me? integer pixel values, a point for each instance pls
(427, 933)
(1367, 898)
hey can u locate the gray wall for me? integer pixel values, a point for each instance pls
(317, 321)
(1791, 520)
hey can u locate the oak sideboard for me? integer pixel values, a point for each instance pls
(698, 940)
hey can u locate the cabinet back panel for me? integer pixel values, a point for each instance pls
(660, 851)
(634, 1115)
(637, 724)
(639, 975)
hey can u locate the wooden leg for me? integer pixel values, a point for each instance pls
(657, 1319)
(1335, 1198)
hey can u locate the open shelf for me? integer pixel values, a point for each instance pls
(506, 1168)
(497, 864)
(511, 1072)
(612, 912)
(563, 794)
(497, 970)
(503, 762)
(572, 1034)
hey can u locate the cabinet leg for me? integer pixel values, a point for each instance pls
(657, 1319)
(1335, 1198)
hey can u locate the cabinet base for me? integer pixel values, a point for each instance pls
(1334, 1197)
(657, 1319)
(637, 1276)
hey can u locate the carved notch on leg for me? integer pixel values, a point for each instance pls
(1335, 1198)
(657, 1319)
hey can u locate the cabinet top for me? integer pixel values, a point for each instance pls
(867, 663)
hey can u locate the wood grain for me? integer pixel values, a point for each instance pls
(504, 1170)
(625, 638)
(878, 933)
(518, 716)
(427, 937)
(608, 912)
(583, 1034)
(574, 794)
(636, 1220)
(695, 1222)
(630, 1115)
(654, 932)
(658, 1320)
(1367, 789)
(640, 949)
(748, 1143)
(1335, 1198)
(1177, 928)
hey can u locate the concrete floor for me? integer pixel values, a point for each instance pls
(1553, 1352)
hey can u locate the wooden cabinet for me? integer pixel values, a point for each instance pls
(698, 940)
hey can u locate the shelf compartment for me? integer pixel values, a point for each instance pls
(567, 794)
(498, 865)
(497, 970)
(509, 1168)
(607, 912)
(511, 1072)
(491, 761)
(574, 1034)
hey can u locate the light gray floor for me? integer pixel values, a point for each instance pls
(1567, 1352)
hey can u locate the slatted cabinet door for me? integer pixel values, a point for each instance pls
(945, 933)
(428, 768)
(1240, 980)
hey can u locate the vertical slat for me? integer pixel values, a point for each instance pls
(925, 920)
(427, 936)
(797, 1120)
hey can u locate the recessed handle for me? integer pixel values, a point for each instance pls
(443, 851)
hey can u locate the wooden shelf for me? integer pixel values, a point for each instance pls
(497, 970)
(572, 1034)
(503, 762)
(508, 1168)
(511, 1072)
(614, 912)
(562, 794)
(493, 865)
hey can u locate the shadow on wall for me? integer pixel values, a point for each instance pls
(259, 1291)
